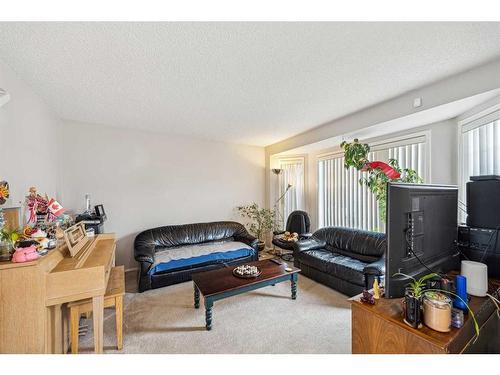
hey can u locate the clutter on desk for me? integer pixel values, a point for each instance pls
(44, 217)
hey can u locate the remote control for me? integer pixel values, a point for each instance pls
(277, 261)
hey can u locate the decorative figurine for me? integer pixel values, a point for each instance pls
(376, 289)
(367, 297)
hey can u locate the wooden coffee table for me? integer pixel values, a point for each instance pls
(219, 284)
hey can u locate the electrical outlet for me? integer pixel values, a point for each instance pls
(417, 102)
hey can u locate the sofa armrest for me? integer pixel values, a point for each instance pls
(144, 248)
(376, 268)
(248, 239)
(311, 243)
(304, 236)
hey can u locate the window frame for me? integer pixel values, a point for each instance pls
(275, 162)
(379, 144)
(465, 125)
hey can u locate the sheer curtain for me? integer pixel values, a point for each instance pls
(343, 201)
(292, 172)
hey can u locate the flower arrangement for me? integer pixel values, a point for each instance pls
(39, 205)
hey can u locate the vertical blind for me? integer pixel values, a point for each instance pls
(480, 152)
(343, 201)
(292, 173)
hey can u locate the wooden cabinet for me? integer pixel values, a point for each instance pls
(379, 329)
(33, 296)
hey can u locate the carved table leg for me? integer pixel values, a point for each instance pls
(294, 286)
(208, 313)
(196, 297)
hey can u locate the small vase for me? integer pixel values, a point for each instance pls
(412, 310)
(5, 250)
(261, 246)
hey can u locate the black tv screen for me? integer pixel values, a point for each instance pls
(421, 232)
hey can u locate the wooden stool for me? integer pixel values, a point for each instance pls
(112, 298)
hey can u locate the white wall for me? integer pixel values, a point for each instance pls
(146, 179)
(29, 140)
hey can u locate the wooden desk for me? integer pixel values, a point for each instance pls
(33, 297)
(379, 328)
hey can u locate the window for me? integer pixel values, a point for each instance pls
(480, 150)
(292, 173)
(342, 201)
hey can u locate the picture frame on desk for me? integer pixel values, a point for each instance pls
(74, 237)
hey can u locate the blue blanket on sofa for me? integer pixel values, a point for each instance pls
(182, 263)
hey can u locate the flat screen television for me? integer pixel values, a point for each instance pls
(421, 232)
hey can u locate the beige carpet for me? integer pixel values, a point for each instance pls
(264, 321)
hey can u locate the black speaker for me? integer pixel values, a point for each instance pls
(483, 202)
(481, 245)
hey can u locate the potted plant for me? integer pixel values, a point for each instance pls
(261, 221)
(379, 174)
(8, 238)
(413, 299)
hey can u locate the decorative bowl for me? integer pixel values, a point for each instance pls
(246, 272)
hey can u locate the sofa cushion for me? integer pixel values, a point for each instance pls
(189, 255)
(179, 264)
(363, 245)
(338, 265)
(347, 268)
(186, 234)
(318, 259)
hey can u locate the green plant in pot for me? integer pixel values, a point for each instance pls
(8, 239)
(415, 292)
(261, 221)
(356, 156)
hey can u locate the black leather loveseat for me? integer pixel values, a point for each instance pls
(341, 258)
(171, 254)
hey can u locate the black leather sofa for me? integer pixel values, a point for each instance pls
(149, 243)
(342, 258)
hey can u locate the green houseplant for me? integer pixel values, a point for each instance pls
(261, 221)
(416, 290)
(356, 156)
(8, 239)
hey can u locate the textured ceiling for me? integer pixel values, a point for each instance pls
(254, 83)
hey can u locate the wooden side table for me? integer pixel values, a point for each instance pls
(379, 328)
